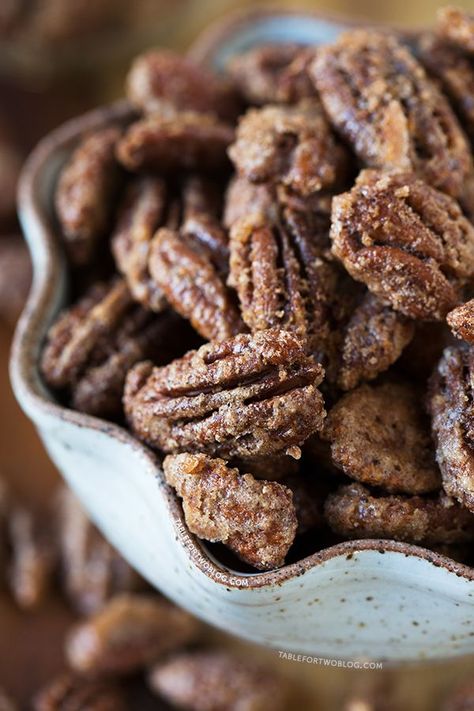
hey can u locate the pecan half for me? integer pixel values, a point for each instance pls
(70, 692)
(211, 680)
(92, 571)
(248, 396)
(379, 98)
(457, 26)
(255, 519)
(187, 141)
(84, 194)
(354, 512)
(461, 321)
(244, 198)
(451, 404)
(292, 145)
(379, 436)
(164, 82)
(409, 243)
(130, 632)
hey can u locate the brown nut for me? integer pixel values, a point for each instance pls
(244, 199)
(69, 692)
(15, 276)
(214, 680)
(92, 571)
(379, 436)
(450, 402)
(193, 286)
(461, 321)
(187, 141)
(255, 519)
(457, 26)
(379, 98)
(162, 81)
(292, 145)
(84, 194)
(354, 512)
(129, 633)
(248, 396)
(409, 243)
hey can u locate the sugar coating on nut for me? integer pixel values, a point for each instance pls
(255, 519)
(457, 26)
(247, 396)
(409, 243)
(379, 436)
(461, 321)
(354, 512)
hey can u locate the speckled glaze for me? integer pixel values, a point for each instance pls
(369, 599)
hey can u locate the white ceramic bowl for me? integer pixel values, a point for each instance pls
(373, 599)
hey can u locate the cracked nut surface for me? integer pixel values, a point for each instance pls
(451, 404)
(256, 519)
(461, 321)
(292, 145)
(409, 243)
(354, 512)
(213, 680)
(247, 396)
(457, 26)
(85, 191)
(70, 692)
(127, 634)
(380, 99)
(379, 436)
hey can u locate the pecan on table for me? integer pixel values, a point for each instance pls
(457, 26)
(291, 145)
(255, 519)
(85, 191)
(209, 680)
(162, 81)
(461, 321)
(186, 141)
(409, 243)
(247, 396)
(451, 404)
(380, 99)
(353, 511)
(70, 692)
(127, 634)
(379, 436)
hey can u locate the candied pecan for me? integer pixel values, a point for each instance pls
(92, 571)
(379, 436)
(187, 141)
(161, 81)
(130, 632)
(461, 321)
(354, 512)
(379, 98)
(457, 26)
(295, 83)
(255, 519)
(373, 339)
(213, 680)
(451, 404)
(292, 145)
(409, 243)
(70, 692)
(32, 558)
(15, 276)
(247, 396)
(84, 193)
(244, 198)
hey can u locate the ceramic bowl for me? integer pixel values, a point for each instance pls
(368, 599)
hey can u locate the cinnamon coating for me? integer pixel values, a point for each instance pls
(379, 436)
(354, 512)
(85, 191)
(409, 243)
(451, 405)
(292, 145)
(380, 99)
(457, 26)
(461, 321)
(255, 519)
(247, 396)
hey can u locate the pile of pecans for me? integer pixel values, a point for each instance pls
(309, 216)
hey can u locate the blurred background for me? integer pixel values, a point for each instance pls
(59, 58)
